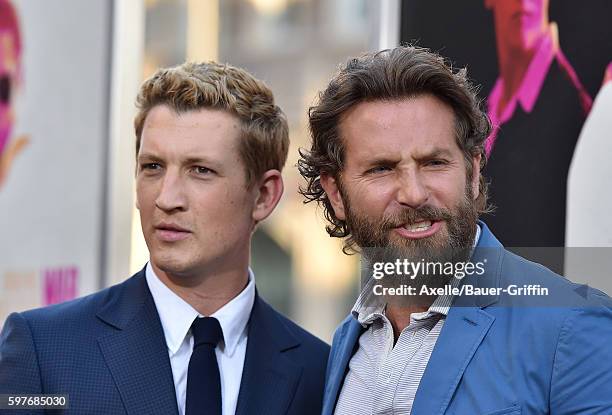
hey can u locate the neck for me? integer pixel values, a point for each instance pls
(513, 64)
(513, 67)
(399, 316)
(208, 291)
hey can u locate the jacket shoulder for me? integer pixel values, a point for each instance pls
(74, 313)
(562, 291)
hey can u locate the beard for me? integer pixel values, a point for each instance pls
(379, 243)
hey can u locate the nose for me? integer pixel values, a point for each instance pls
(411, 190)
(171, 195)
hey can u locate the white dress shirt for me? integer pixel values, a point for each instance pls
(176, 317)
(384, 375)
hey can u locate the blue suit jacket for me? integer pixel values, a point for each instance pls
(107, 351)
(501, 355)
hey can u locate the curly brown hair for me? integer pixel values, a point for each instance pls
(391, 74)
(192, 86)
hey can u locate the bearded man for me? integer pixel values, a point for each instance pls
(396, 159)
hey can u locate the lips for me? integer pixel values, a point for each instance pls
(418, 226)
(522, 14)
(419, 229)
(170, 232)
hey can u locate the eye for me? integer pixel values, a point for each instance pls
(378, 169)
(150, 166)
(436, 163)
(203, 171)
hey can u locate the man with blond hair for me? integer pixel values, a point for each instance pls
(188, 334)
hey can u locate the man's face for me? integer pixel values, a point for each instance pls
(404, 183)
(520, 22)
(195, 207)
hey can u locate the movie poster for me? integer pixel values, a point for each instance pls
(540, 64)
(54, 93)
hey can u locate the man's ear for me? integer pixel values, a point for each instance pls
(476, 175)
(330, 185)
(269, 189)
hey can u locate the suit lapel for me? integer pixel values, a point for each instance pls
(136, 352)
(269, 377)
(463, 331)
(465, 327)
(338, 362)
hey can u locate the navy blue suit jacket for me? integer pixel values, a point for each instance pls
(107, 351)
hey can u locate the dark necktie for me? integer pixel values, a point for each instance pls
(203, 380)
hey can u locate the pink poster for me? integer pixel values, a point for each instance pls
(59, 284)
(10, 79)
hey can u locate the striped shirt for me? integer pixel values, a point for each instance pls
(383, 378)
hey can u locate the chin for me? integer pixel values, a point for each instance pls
(171, 265)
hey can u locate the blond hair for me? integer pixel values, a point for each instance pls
(192, 86)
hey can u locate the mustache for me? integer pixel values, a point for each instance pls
(410, 215)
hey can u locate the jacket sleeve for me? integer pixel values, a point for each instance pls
(581, 380)
(19, 370)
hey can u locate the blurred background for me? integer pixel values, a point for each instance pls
(70, 73)
(68, 225)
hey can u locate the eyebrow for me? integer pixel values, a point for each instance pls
(197, 160)
(190, 160)
(426, 155)
(148, 157)
(382, 161)
(435, 153)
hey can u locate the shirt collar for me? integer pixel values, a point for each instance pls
(370, 307)
(531, 84)
(177, 315)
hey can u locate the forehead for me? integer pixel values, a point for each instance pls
(417, 124)
(212, 131)
(520, 4)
